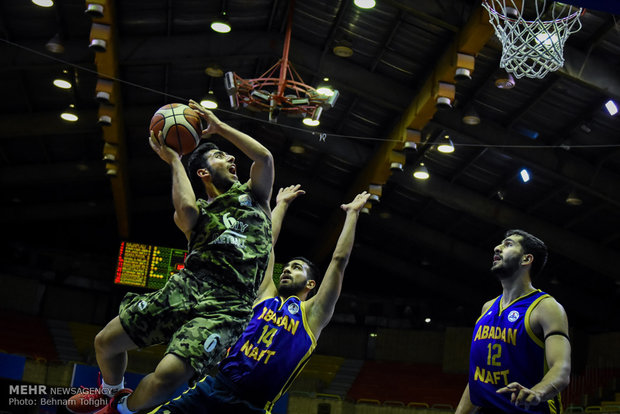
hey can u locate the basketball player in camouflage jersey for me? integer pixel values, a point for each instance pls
(204, 308)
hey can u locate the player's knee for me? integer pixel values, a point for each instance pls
(101, 342)
(104, 342)
(168, 379)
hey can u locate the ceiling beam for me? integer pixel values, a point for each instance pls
(559, 164)
(566, 243)
(470, 40)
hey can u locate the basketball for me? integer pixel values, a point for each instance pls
(180, 127)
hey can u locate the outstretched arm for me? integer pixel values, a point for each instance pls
(183, 197)
(321, 306)
(284, 198)
(550, 316)
(261, 172)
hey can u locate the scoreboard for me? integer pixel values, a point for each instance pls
(147, 266)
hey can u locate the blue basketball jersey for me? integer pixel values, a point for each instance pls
(503, 350)
(272, 351)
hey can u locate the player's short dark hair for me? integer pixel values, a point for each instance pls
(197, 160)
(534, 246)
(313, 273)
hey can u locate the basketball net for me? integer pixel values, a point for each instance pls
(534, 47)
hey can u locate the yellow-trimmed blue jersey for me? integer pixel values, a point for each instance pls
(504, 349)
(271, 352)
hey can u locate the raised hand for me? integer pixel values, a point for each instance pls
(357, 203)
(288, 194)
(213, 123)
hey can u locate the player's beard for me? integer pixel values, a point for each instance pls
(291, 289)
(506, 268)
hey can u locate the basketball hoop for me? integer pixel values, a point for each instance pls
(534, 47)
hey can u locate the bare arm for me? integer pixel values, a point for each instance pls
(550, 316)
(261, 172)
(321, 306)
(183, 197)
(285, 197)
(465, 406)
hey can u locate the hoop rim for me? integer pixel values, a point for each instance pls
(572, 16)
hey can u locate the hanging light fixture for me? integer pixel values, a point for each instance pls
(365, 4)
(221, 24)
(504, 80)
(209, 101)
(55, 45)
(70, 114)
(43, 3)
(421, 173)
(471, 117)
(446, 145)
(63, 82)
(573, 199)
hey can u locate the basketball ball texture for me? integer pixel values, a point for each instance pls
(180, 127)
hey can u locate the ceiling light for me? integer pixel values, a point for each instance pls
(343, 48)
(43, 3)
(209, 101)
(525, 175)
(421, 173)
(504, 81)
(314, 119)
(55, 45)
(221, 24)
(94, 10)
(573, 199)
(375, 191)
(214, 70)
(365, 4)
(104, 90)
(444, 95)
(310, 122)
(446, 146)
(62, 84)
(326, 79)
(99, 37)
(547, 39)
(427, 320)
(104, 120)
(464, 66)
(471, 117)
(325, 90)
(611, 107)
(69, 114)
(297, 148)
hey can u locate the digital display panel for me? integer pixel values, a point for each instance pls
(147, 266)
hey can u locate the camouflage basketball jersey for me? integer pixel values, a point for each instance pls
(231, 242)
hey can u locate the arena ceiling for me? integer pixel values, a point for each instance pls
(426, 244)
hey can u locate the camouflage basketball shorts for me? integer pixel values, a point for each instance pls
(198, 321)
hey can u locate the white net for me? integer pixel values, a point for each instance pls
(533, 47)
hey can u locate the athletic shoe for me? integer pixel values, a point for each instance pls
(87, 402)
(111, 407)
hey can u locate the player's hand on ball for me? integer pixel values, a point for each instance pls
(165, 152)
(212, 121)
